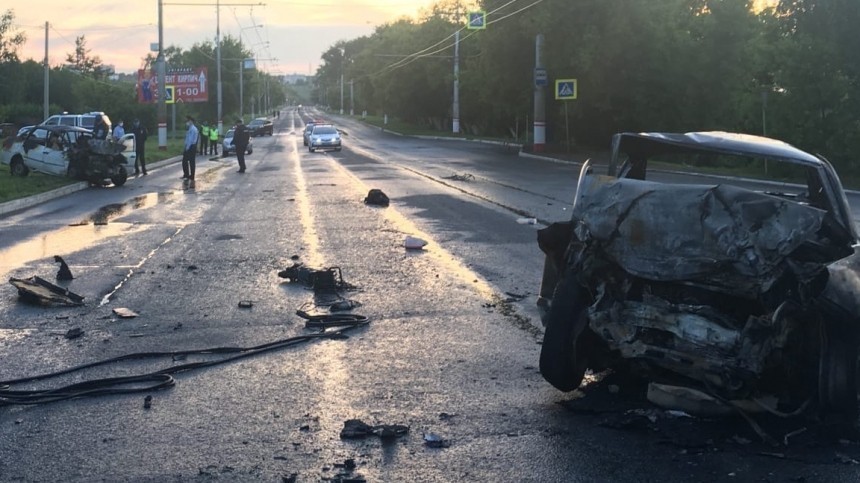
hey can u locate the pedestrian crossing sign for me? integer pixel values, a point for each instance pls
(565, 89)
(169, 97)
(477, 20)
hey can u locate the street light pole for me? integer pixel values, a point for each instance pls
(218, 66)
(162, 105)
(47, 91)
(242, 89)
(456, 107)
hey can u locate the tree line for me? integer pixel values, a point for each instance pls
(84, 84)
(789, 69)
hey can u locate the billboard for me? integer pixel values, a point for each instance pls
(189, 85)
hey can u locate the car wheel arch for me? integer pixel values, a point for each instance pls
(17, 166)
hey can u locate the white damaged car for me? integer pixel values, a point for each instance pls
(69, 151)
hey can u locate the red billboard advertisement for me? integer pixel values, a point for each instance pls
(189, 85)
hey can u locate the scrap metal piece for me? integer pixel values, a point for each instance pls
(40, 291)
(125, 313)
(63, 273)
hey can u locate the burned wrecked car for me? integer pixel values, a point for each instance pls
(68, 151)
(736, 288)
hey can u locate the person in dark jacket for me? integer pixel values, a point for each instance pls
(140, 135)
(100, 129)
(240, 142)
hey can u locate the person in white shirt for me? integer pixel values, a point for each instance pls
(190, 153)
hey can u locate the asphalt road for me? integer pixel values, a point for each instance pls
(451, 348)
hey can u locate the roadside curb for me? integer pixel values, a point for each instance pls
(24, 203)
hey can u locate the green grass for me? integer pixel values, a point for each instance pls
(13, 187)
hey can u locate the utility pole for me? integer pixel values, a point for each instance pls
(341, 89)
(218, 66)
(242, 89)
(456, 107)
(162, 106)
(47, 77)
(351, 97)
(540, 101)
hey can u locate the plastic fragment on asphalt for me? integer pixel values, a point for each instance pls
(74, 333)
(125, 313)
(357, 429)
(527, 221)
(435, 441)
(414, 243)
(38, 290)
(246, 304)
(64, 273)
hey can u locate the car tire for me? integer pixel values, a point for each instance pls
(337, 149)
(120, 178)
(311, 149)
(17, 168)
(837, 369)
(564, 351)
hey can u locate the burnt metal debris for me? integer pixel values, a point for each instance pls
(460, 177)
(64, 273)
(376, 197)
(329, 278)
(37, 290)
(358, 429)
(741, 293)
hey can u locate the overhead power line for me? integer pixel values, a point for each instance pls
(424, 52)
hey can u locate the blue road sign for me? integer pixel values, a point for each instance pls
(169, 98)
(565, 89)
(540, 77)
(477, 20)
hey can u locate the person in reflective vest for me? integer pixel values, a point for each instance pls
(204, 137)
(213, 140)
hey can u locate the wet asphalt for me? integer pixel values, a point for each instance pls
(451, 348)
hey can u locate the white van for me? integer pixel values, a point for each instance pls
(86, 121)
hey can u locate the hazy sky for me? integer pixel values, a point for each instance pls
(120, 32)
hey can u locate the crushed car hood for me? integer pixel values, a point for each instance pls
(721, 234)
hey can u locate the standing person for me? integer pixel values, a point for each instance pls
(204, 137)
(140, 135)
(118, 131)
(213, 140)
(240, 141)
(190, 154)
(100, 129)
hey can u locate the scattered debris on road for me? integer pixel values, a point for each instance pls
(432, 440)
(460, 177)
(527, 221)
(40, 291)
(414, 243)
(125, 313)
(63, 273)
(74, 333)
(376, 197)
(358, 429)
(246, 304)
(328, 278)
(147, 402)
